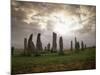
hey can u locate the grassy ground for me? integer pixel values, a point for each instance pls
(53, 62)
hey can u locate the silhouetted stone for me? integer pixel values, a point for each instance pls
(71, 45)
(61, 46)
(45, 48)
(48, 46)
(82, 45)
(12, 50)
(54, 44)
(75, 43)
(25, 46)
(78, 45)
(39, 44)
(31, 46)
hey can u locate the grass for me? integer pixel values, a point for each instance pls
(53, 62)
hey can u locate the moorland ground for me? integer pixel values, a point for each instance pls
(51, 62)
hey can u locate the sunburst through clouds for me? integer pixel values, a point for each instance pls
(64, 19)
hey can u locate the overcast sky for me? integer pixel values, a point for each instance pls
(66, 20)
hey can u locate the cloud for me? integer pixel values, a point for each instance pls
(35, 17)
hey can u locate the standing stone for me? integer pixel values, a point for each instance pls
(71, 45)
(54, 44)
(48, 46)
(12, 50)
(39, 44)
(61, 46)
(78, 45)
(45, 49)
(75, 43)
(82, 45)
(31, 46)
(25, 46)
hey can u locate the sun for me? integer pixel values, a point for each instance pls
(60, 28)
(61, 24)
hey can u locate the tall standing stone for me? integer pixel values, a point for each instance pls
(39, 44)
(75, 43)
(48, 46)
(71, 45)
(54, 44)
(31, 46)
(82, 45)
(78, 45)
(61, 46)
(12, 50)
(25, 46)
